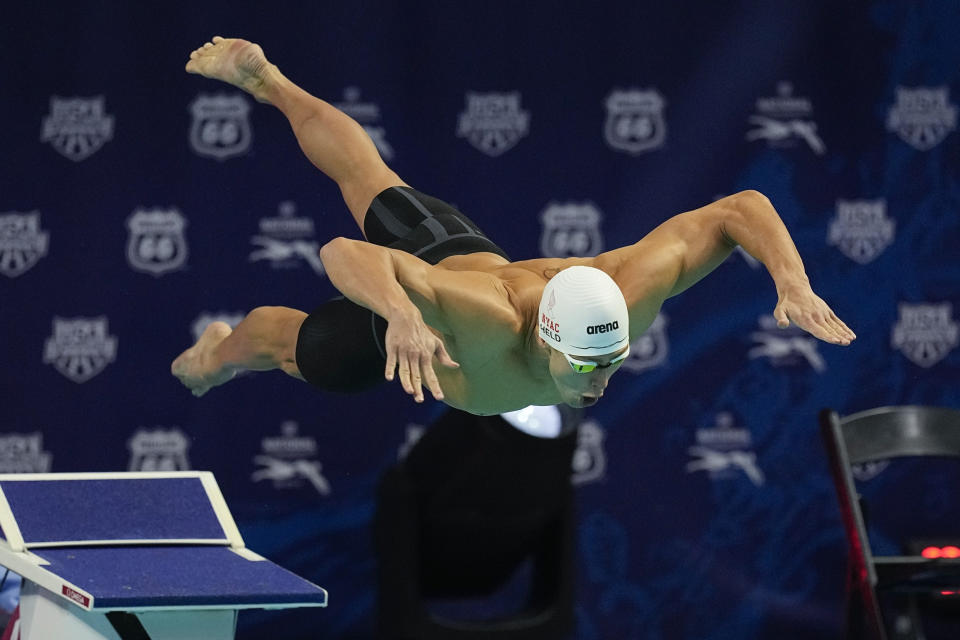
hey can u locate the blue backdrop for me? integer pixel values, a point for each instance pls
(138, 202)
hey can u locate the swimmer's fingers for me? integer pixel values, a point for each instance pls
(444, 358)
(430, 378)
(415, 386)
(842, 327)
(391, 364)
(429, 373)
(407, 364)
(409, 375)
(809, 312)
(410, 352)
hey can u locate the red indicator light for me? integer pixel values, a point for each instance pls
(931, 552)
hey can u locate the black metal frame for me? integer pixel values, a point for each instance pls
(886, 433)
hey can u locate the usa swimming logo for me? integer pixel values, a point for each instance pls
(861, 229)
(77, 127)
(22, 242)
(571, 229)
(493, 122)
(156, 244)
(925, 333)
(784, 120)
(635, 122)
(289, 461)
(922, 116)
(725, 451)
(651, 349)
(221, 126)
(367, 114)
(80, 348)
(159, 450)
(287, 241)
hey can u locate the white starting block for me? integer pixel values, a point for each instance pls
(134, 556)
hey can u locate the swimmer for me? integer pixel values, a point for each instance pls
(430, 299)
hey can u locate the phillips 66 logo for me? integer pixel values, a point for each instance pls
(571, 229)
(220, 126)
(635, 121)
(156, 244)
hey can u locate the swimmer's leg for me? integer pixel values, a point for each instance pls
(266, 339)
(334, 142)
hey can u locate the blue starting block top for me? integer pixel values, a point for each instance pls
(138, 541)
(107, 511)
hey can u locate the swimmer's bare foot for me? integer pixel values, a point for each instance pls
(239, 62)
(197, 368)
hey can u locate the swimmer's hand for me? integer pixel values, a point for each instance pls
(798, 304)
(411, 347)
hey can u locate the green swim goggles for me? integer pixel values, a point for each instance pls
(586, 366)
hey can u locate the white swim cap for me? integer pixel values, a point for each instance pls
(583, 313)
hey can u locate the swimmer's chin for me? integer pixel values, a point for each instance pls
(582, 402)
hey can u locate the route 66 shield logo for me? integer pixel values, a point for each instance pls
(220, 127)
(651, 348)
(589, 459)
(157, 243)
(571, 229)
(635, 121)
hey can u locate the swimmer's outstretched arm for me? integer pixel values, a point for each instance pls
(687, 247)
(378, 278)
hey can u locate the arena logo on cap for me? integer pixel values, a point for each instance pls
(22, 242)
(861, 229)
(922, 116)
(786, 347)
(157, 244)
(221, 127)
(571, 229)
(635, 122)
(925, 333)
(80, 348)
(784, 119)
(367, 114)
(159, 450)
(77, 127)
(590, 457)
(23, 453)
(651, 349)
(493, 122)
(286, 241)
(724, 451)
(289, 461)
(602, 328)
